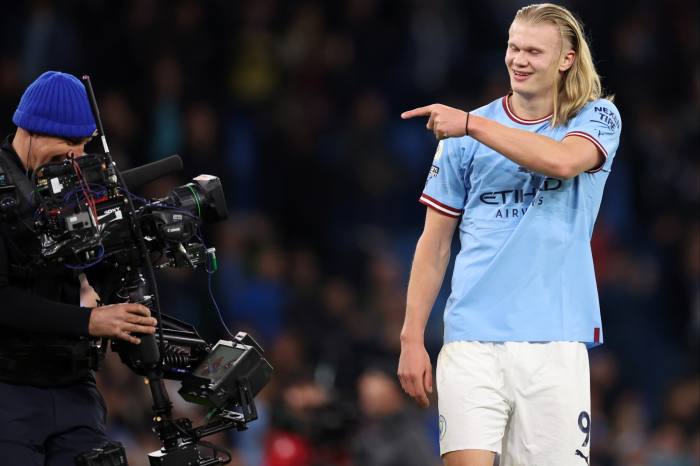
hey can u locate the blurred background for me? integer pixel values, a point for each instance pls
(295, 106)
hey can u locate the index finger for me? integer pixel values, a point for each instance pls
(417, 392)
(420, 111)
(422, 400)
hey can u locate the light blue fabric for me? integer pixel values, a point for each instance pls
(524, 271)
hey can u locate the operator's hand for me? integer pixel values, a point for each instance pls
(88, 296)
(443, 121)
(415, 372)
(120, 321)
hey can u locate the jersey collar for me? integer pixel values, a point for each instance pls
(517, 119)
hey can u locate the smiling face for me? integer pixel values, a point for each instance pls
(535, 57)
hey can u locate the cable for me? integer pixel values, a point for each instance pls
(100, 257)
(29, 154)
(216, 306)
(85, 188)
(210, 273)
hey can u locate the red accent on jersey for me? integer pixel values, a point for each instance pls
(439, 206)
(517, 119)
(600, 147)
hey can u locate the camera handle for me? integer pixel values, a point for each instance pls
(178, 438)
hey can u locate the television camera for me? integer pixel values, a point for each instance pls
(87, 219)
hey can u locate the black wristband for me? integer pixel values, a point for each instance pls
(466, 126)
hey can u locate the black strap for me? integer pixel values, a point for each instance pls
(16, 177)
(18, 222)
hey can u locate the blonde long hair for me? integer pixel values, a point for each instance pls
(579, 84)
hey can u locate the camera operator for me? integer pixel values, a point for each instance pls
(50, 409)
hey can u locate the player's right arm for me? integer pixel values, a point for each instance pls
(428, 270)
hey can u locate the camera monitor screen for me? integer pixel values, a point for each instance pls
(218, 362)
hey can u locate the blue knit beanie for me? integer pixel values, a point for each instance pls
(55, 104)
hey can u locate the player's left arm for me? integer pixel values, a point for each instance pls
(558, 159)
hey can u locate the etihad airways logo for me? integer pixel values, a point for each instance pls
(517, 196)
(512, 197)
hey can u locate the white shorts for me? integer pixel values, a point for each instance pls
(530, 402)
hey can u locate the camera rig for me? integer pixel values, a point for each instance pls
(87, 219)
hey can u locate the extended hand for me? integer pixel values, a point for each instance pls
(443, 121)
(416, 372)
(120, 321)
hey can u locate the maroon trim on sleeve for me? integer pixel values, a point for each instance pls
(599, 146)
(439, 206)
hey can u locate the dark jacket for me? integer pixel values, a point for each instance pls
(43, 327)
